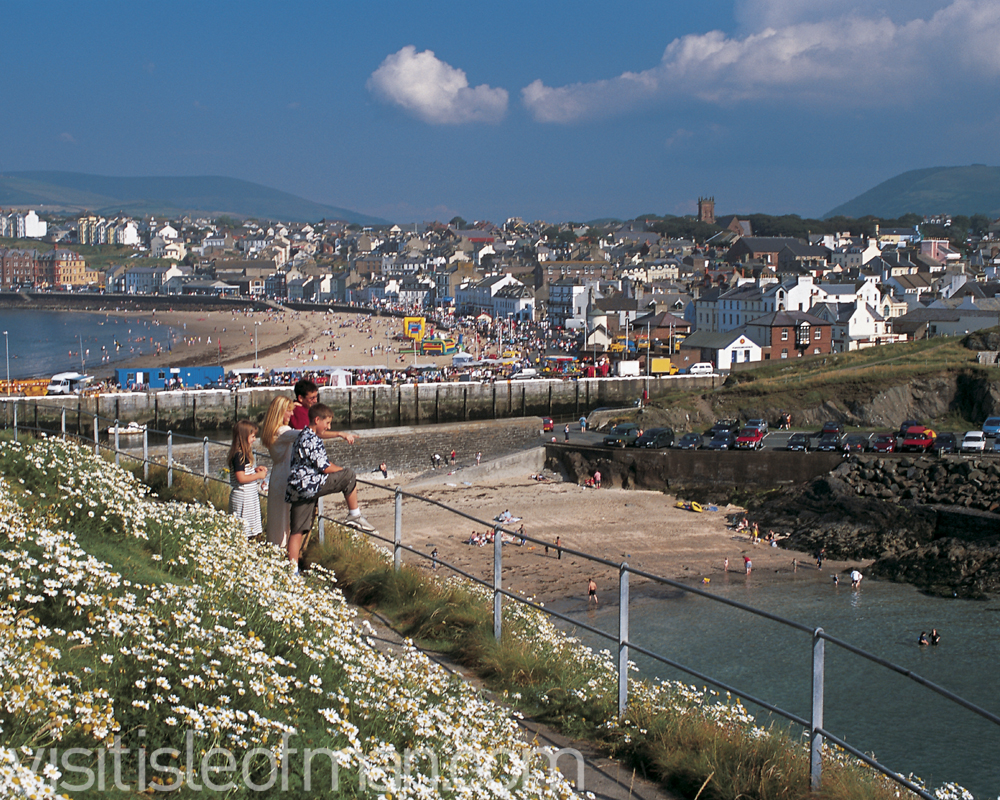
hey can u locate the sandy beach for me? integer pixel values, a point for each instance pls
(283, 339)
(640, 527)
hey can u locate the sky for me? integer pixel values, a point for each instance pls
(543, 110)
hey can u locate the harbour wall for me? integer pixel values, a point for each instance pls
(360, 406)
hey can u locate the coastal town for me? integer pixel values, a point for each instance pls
(669, 292)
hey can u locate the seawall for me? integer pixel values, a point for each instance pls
(360, 406)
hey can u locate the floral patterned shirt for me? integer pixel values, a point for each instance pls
(305, 474)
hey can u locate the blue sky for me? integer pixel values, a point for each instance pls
(545, 110)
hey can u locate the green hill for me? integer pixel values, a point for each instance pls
(935, 190)
(168, 197)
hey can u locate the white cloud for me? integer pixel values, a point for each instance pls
(845, 61)
(435, 91)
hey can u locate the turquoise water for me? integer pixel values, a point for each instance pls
(906, 726)
(43, 343)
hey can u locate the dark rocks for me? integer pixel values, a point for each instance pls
(927, 521)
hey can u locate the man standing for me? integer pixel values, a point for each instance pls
(591, 591)
(597, 479)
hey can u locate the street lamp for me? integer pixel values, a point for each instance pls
(256, 324)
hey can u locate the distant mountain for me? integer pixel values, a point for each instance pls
(207, 196)
(936, 190)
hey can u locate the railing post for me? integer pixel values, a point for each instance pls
(145, 454)
(63, 422)
(322, 522)
(15, 421)
(170, 459)
(117, 459)
(497, 574)
(397, 533)
(97, 446)
(816, 738)
(622, 640)
(204, 446)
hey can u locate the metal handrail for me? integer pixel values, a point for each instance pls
(817, 731)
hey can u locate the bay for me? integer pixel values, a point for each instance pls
(41, 343)
(907, 727)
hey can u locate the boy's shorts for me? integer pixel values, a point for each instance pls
(303, 511)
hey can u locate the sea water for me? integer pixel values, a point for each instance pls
(39, 344)
(908, 727)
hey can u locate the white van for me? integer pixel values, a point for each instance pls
(68, 383)
(525, 374)
(702, 368)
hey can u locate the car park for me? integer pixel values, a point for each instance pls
(884, 443)
(832, 426)
(690, 441)
(722, 441)
(918, 439)
(799, 441)
(992, 427)
(757, 423)
(622, 434)
(974, 442)
(656, 438)
(855, 443)
(945, 443)
(829, 442)
(750, 439)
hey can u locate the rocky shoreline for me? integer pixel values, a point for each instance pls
(927, 521)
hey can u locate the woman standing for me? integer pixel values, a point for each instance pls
(279, 439)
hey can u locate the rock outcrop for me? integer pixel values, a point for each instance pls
(927, 521)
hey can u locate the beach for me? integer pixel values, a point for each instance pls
(643, 528)
(292, 339)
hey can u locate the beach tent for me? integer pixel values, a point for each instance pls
(339, 377)
(462, 359)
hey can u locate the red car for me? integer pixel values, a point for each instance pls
(884, 443)
(750, 439)
(918, 438)
(547, 424)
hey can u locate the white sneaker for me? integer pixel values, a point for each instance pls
(360, 523)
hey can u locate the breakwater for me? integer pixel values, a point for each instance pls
(359, 406)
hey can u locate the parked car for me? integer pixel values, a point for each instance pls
(757, 423)
(907, 424)
(829, 442)
(992, 426)
(722, 441)
(974, 442)
(690, 441)
(547, 424)
(656, 438)
(919, 439)
(996, 445)
(799, 441)
(724, 426)
(855, 443)
(832, 426)
(622, 434)
(945, 443)
(884, 443)
(750, 439)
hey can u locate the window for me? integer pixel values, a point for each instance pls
(818, 334)
(784, 334)
(815, 351)
(784, 353)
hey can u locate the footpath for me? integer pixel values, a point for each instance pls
(603, 778)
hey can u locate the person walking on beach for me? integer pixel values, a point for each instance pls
(748, 564)
(479, 457)
(597, 479)
(434, 558)
(819, 557)
(591, 591)
(559, 548)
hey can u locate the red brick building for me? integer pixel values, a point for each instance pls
(791, 334)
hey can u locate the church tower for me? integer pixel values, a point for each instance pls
(706, 210)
